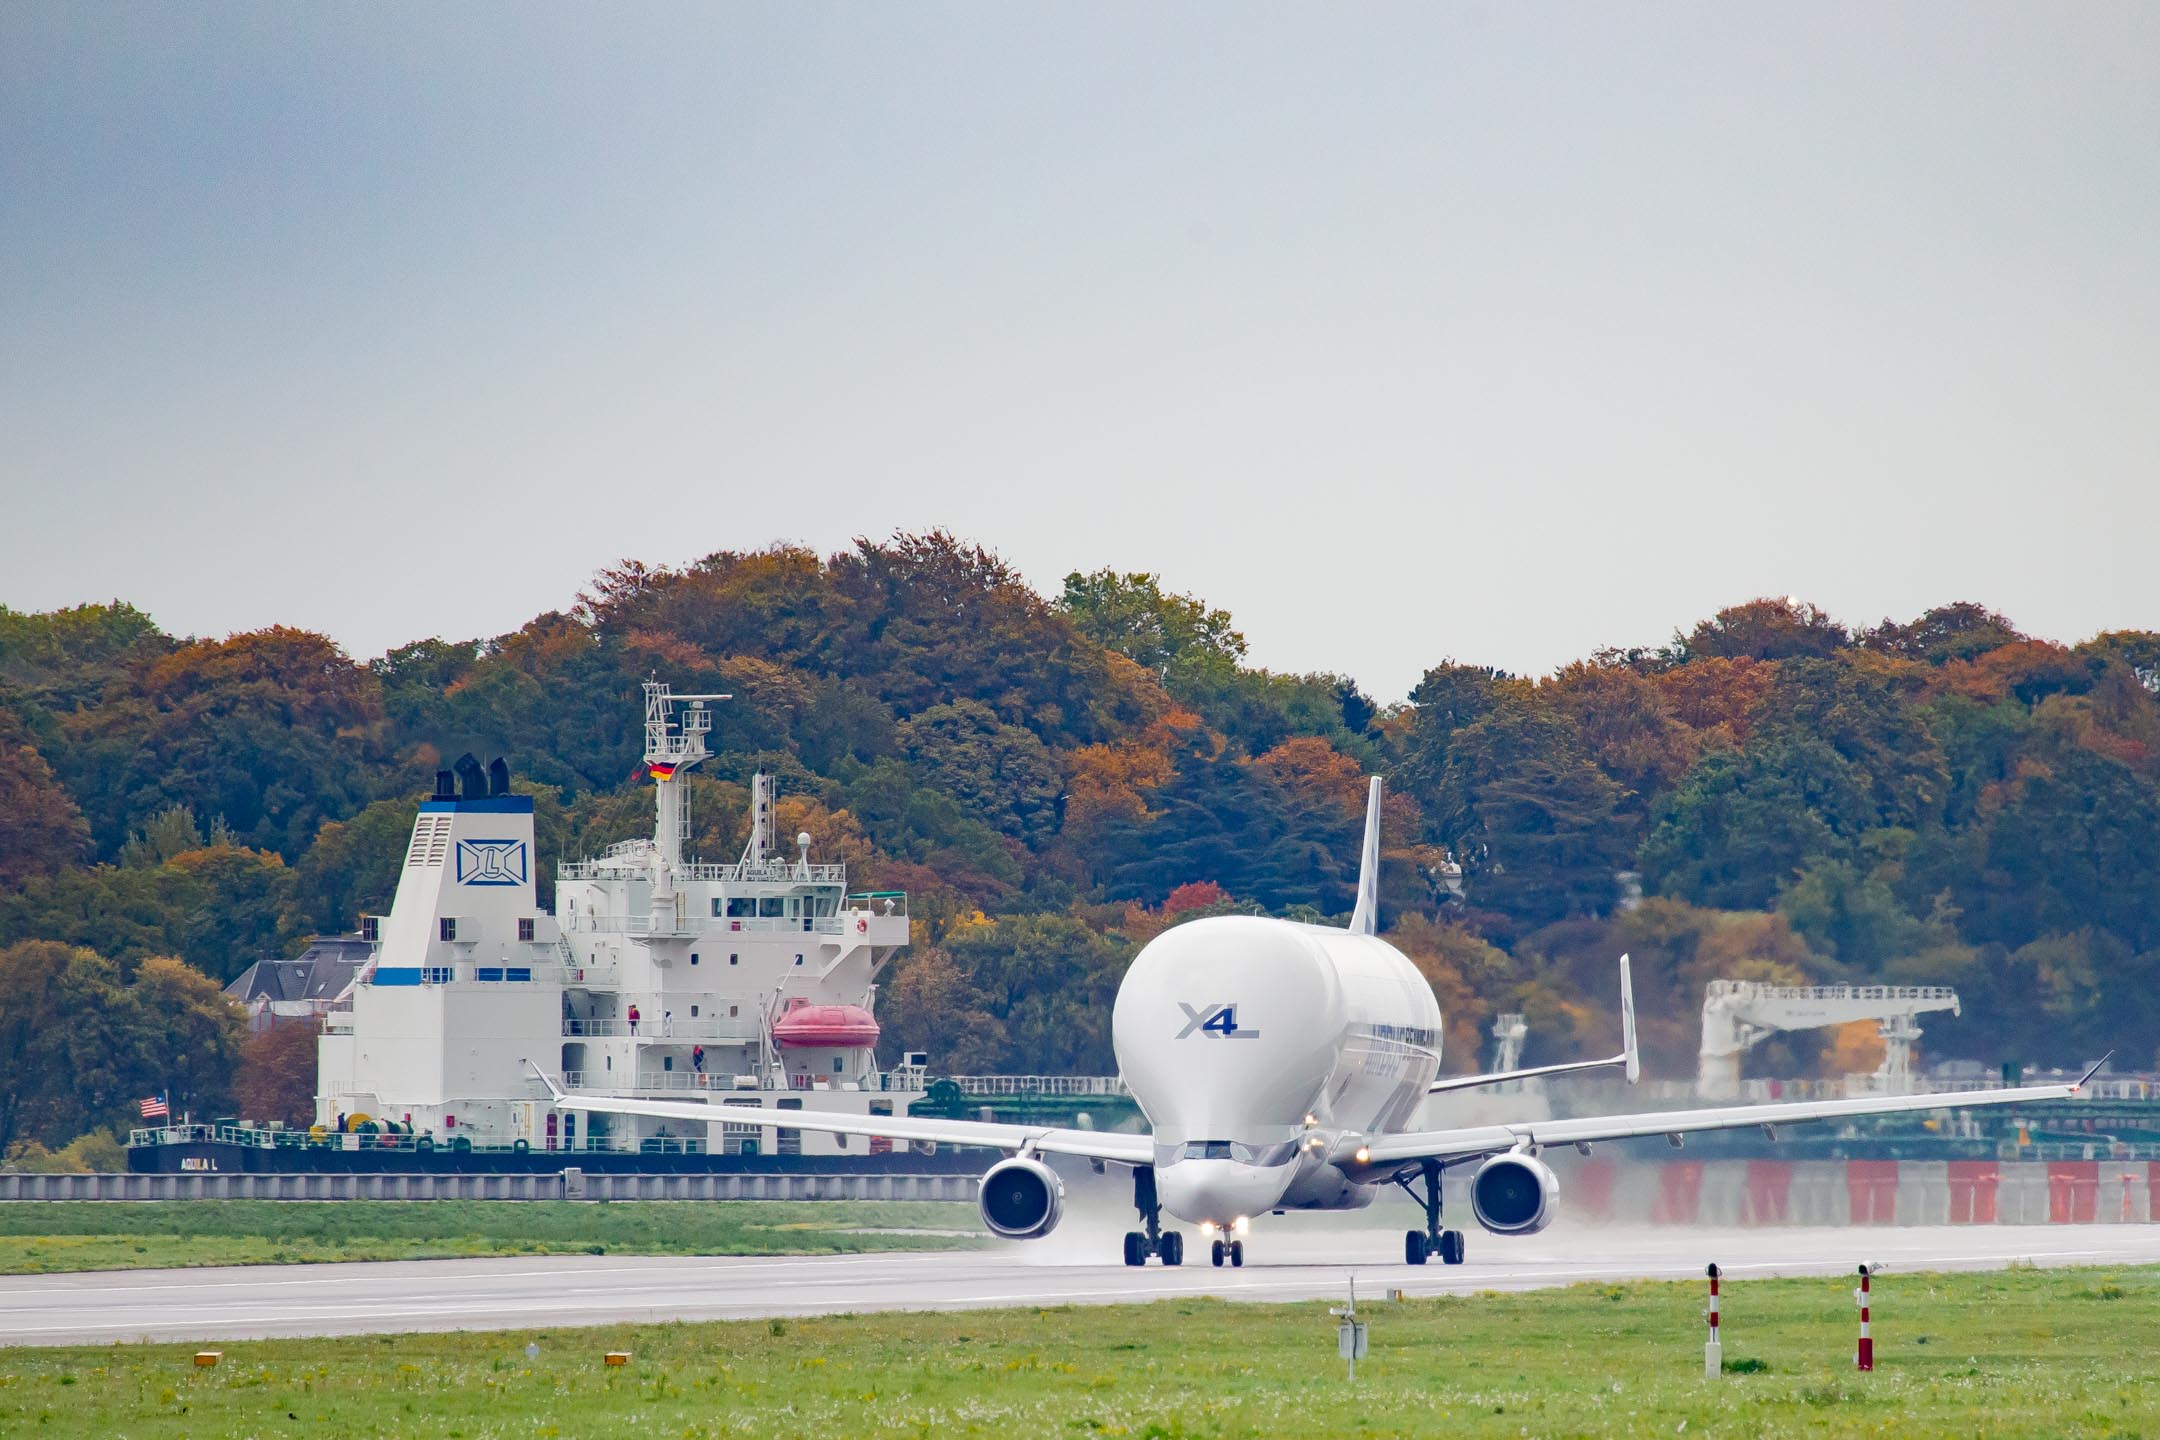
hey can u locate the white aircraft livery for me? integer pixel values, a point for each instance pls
(1278, 1066)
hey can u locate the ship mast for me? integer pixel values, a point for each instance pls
(672, 745)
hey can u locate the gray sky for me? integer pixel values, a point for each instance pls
(1490, 331)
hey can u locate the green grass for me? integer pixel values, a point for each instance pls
(2016, 1353)
(52, 1235)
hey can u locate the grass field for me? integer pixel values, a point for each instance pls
(2016, 1353)
(48, 1235)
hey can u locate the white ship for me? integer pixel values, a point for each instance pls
(656, 975)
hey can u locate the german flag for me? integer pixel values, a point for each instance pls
(662, 771)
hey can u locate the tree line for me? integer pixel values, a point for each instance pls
(1054, 779)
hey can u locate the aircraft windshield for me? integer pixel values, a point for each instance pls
(1237, 1150)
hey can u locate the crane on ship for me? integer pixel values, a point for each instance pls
(1737, 1015)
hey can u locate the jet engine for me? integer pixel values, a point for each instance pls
(1021, 1199)
(1514, 1194)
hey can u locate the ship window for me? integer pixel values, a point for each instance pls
(732, 1010)
(449, 927)
(667, 1062)
(798, 959)
(716, 905)
(693, 957)
(740, 907)
(525, 928)
(371, 927)
(611, 1062)
(693, 1012)
(769, 907)
(732, 959)
(838, 1065)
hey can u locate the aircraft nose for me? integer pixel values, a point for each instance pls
(1220, 1190)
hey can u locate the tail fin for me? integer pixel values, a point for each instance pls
(1628, 1053)
(1365, 920)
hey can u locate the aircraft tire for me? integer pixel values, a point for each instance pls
(1451, 1247)
(1217, 1253)
(1413, 1247)
(1173, 1248)
(1237, 1253)
(1135, 1248)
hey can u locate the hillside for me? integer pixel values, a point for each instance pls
(1055, 779)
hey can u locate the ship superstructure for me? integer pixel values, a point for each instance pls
(656, 974)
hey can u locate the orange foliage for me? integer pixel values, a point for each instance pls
(1194, 895)
(1716, 694)
(276, 1076)
(1855, 1049)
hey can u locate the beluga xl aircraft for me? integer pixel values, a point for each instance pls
(1278, 1066)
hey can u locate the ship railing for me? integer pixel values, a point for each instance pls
(718, 924)
(2095, 1149)
(1039, 1084)
(879, 902)
(611, 863)
(727, 1083)
(653, 1027)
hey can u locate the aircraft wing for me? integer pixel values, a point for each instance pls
(1386, 1152)
(1092, 1144)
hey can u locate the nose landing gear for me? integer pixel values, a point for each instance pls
(1432, 1240)
(1234, 1252)
(1166, 1245)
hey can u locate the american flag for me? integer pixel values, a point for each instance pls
(155, 1108)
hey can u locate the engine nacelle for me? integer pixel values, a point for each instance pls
(1514, 1194)
(1021, 1199)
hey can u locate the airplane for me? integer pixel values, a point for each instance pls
(1278, 1066)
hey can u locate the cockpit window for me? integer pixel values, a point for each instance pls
(1237, 1150)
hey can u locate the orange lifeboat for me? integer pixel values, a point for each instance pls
(830, 1027)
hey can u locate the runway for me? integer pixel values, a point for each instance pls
(540, 1292)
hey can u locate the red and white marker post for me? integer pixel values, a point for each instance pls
(1713, 1351)
(1864, 1358)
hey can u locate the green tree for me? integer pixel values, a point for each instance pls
(1176, 637)
(1001, 774)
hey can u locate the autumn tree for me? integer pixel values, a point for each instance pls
(41, 830)
(1767, 629)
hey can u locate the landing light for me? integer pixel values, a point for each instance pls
(1207, 1228)
(1311, 1121)
(1364, 1154)
(1240, 1225)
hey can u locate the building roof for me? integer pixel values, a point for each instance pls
(321, 972)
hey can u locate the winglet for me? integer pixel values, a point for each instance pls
(1627, 1024)
(1365, 920)
(548, 1080)
(2095, 1068)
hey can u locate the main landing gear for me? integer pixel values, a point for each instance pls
(1234, 1252)
(1432, 1240)
(1166, 1245)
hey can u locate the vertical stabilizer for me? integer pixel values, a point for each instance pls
(1365, 920)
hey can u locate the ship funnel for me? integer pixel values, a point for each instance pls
(445, 785)
(472, 782)
(498, 777)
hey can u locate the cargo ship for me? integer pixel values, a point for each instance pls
(655, 974)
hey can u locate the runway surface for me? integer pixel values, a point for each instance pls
(527, 1293)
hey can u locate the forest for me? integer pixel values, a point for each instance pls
(1053, 780)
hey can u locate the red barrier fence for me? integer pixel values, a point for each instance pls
(1857, 1192)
